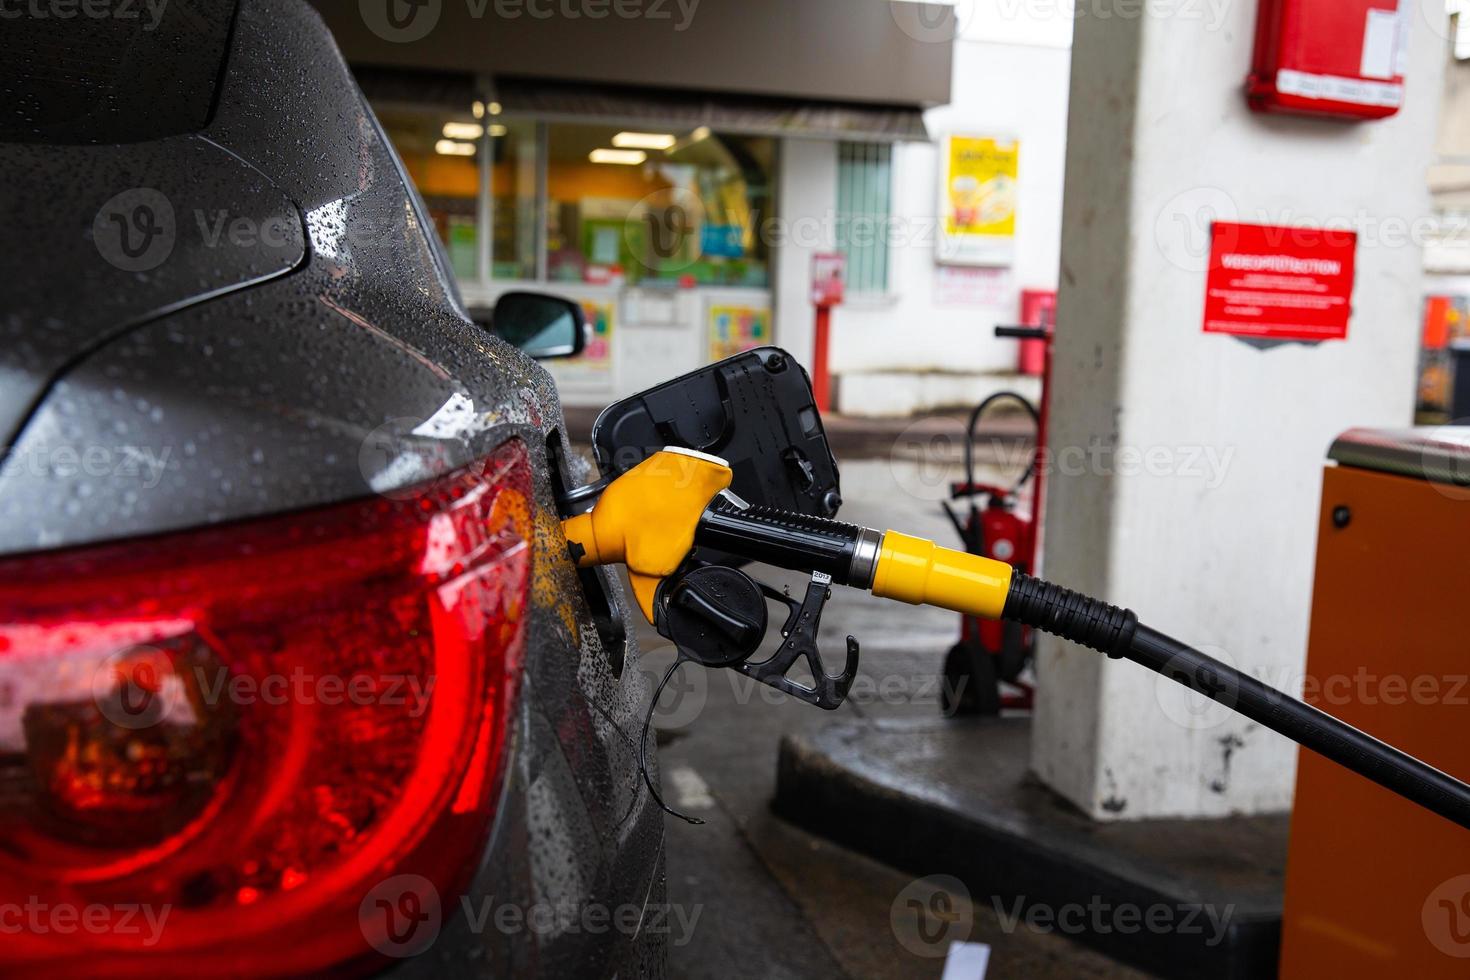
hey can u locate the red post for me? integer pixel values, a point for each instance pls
(828, 269)
(821, 383)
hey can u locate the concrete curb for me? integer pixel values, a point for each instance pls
(869, 786)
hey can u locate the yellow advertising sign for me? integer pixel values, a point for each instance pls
(735, 328)
(594, 366)
(981, 175)
(597, 355)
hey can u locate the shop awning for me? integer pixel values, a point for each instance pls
(722, 112)
(750, 115)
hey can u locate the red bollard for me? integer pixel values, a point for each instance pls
(827, 275)
(821, 384)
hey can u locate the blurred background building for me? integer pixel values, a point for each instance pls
(677, 170)
(675, 167)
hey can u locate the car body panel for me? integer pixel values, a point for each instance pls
(87, 290)
(333, 367)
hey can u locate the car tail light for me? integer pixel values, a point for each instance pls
(243, 731)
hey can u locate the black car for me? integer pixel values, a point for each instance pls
(295, 673)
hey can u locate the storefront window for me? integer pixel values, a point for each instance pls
(595, 204)
(864, 193)
(441, 151)
(650, 207)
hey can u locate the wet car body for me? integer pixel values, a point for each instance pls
(222, 302)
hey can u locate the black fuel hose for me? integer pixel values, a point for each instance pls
(850, 555)
(1117, 633)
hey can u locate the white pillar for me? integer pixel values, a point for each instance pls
(806, 203)
(1207, 525)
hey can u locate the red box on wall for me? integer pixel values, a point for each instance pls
(1038, 309)
(1339, 58)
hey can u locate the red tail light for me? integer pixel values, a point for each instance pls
(242, 731)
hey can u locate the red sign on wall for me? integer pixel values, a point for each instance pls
(1279, 283)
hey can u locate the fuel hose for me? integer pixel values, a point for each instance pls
(678, 501)
(1117, 633)
(917, 571)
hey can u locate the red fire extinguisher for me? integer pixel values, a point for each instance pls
(992, 654)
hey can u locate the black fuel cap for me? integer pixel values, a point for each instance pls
(716, 616)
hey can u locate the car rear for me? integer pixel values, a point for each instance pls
(295, 675)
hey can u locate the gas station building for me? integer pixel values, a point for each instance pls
(677, 174)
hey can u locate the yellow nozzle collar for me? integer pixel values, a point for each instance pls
(920, 572)
(646, 518)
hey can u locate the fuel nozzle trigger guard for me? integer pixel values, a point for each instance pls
(716, 617)
(800, 640)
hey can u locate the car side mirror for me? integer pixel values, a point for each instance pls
(541, 325)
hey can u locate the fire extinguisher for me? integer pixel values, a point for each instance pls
(991, 654)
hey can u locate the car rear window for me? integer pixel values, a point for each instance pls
(110, 71)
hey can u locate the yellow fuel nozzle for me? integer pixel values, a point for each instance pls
(649, 517)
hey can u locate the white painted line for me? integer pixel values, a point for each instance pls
(966, 961)
(690, 789)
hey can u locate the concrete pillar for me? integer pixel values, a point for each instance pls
(1191, 489)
